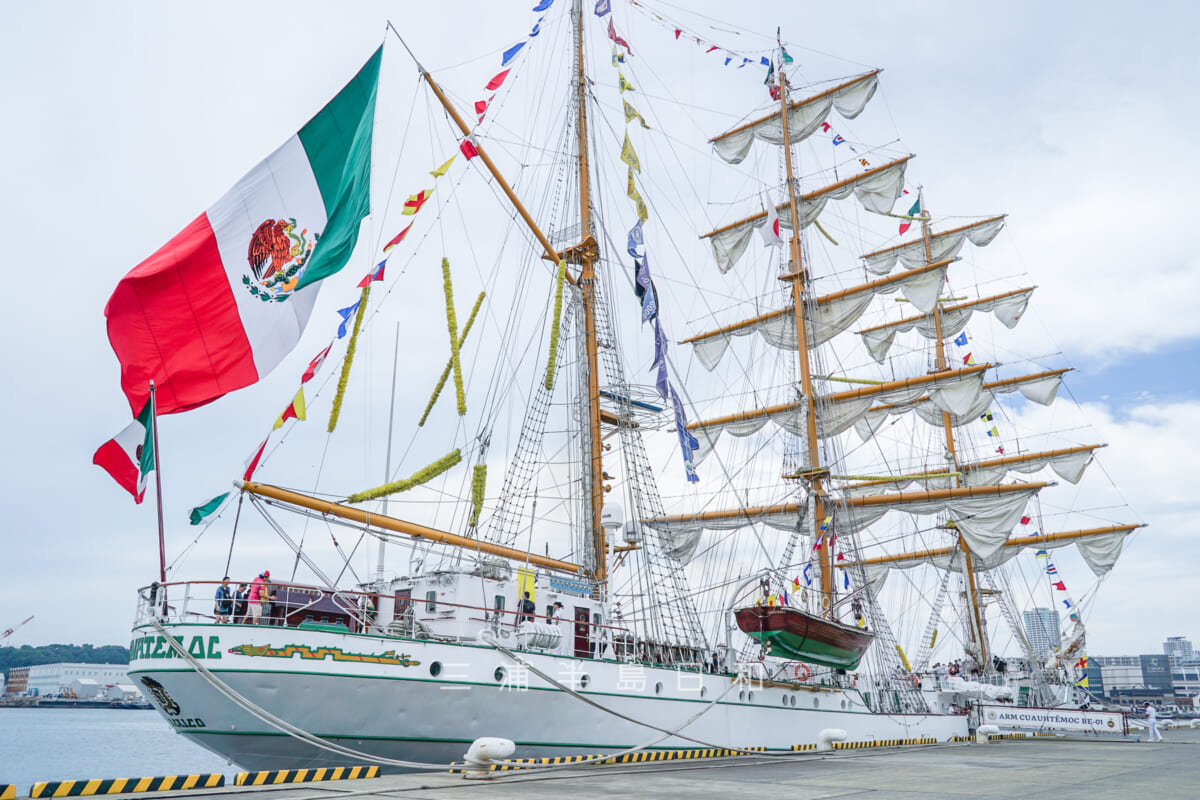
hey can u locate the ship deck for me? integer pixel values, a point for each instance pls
(1062, 769)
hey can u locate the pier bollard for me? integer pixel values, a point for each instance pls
(984, 731)
(480, 754)
(828, 736)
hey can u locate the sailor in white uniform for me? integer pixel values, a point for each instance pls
(1152, 734)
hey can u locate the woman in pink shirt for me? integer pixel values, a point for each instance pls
(256, 597)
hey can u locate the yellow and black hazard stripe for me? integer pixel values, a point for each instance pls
(169, 783)
(628, 758)
(271, 777)
(796, 748)
(7, 791)
(997, 736)
(882, 743)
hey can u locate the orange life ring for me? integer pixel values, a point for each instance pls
(802, 672)
(913, 681)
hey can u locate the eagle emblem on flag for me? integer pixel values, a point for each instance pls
(277, 254)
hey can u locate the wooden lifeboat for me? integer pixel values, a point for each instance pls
(791, 633)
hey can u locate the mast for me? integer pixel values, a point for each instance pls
(798, 276)
(162, 542)
(973, 604)
(587, 251)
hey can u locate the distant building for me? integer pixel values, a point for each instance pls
(1041, 628)
(46, 679)
(1178, 648)
(18, 680)
(1156, 672)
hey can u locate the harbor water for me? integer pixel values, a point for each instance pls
(83, 743)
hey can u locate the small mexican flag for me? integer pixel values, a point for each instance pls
(129, 456)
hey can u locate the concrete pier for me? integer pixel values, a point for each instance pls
(1055, 769)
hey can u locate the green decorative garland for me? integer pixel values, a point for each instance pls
(341, 390)
(558, 295)
(478, 483)
(452, 323)
(422, 476)
(450, 362)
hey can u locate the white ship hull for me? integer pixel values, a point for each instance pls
(378, 695)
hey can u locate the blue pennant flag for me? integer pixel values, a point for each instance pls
(660, 360)
(643, 286)
(808, 574)
(636, 242)
(727, 60)
(347, 313)
(766, 62)
(745, 61)
(839, 140)
(510, 53)
(660, 379)
(603, 7)
(542, 6)
(537, 28)
(660, 348)
(846, 576)
(687, 442)
(961, 341)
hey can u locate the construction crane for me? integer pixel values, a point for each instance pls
(14, 629)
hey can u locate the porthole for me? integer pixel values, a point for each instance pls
(843, 702)
(793, 701)
(435, 668)
(816, 702)
(704, 691)
(742, 695)
(785, 700)
(750, 697)
(499, 674)
(658, 688)
(584, 680)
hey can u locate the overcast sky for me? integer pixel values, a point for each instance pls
(124, 120)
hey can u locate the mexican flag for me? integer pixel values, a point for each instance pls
(221, 304)
(129, 456)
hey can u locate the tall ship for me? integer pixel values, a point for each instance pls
(720, 457)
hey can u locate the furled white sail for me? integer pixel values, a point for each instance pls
(877, 190)
(682, 534)
(1100, 548)
(941, 245)
(985, 521)
(1008, 308)
(1068, 465)
(984, 518)
(804, 117)
(953, 391)
(1041, 388)
(829, 316)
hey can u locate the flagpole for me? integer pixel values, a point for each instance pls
(162, 548)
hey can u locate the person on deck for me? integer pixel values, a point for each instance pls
(224, 601)
(239, 604)
(528, 609)
(255, 598)
(1152, 734)
(566, 644)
